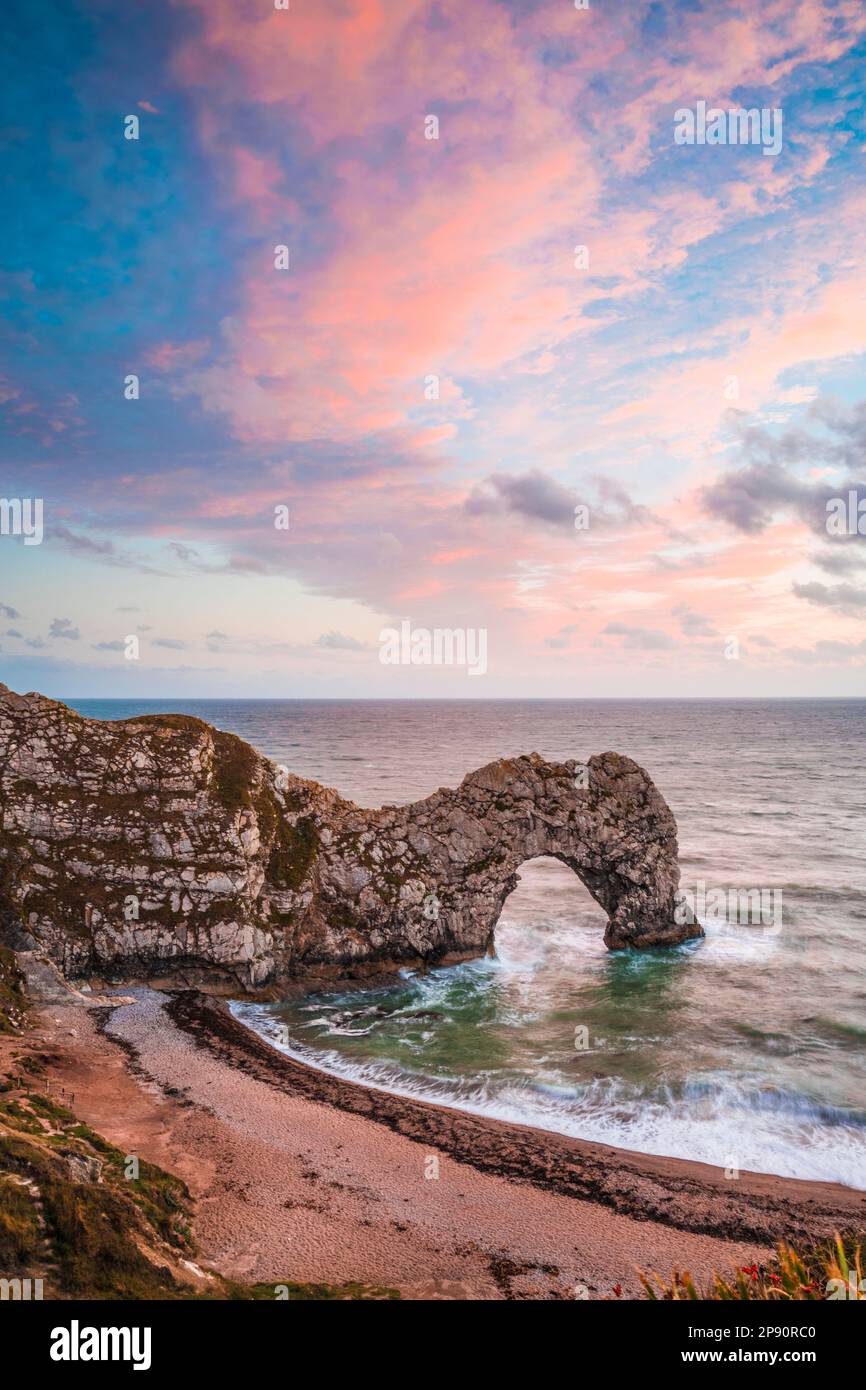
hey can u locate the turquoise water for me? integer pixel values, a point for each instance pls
(747, 1049)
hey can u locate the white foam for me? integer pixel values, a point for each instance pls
(721, 1123)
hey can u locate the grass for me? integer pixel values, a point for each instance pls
(830, 1270)
(235, 769)
(105, 1239)
(13, 996)
(108, 1237)
(20, 1230)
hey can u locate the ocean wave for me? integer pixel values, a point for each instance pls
(720, 1120)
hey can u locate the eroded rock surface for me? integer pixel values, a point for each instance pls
(160, 846)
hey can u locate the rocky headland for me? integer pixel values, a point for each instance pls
(162, 848)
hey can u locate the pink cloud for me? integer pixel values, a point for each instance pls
(169, 356)
(454, 257)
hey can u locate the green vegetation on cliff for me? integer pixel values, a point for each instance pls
(13, 996)
(70, 1216)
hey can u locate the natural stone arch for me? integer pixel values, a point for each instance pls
(606, 821)
(243, 874)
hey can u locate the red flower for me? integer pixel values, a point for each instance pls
(617, 1288)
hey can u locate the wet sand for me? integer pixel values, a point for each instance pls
(300, 1175)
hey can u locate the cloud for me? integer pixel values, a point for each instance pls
(409, 244)
(750, 497)
(187, 553)
(8, 612)
(166, 357)
(843, 559)
(663, 563)
(641, 638)
(337, 641)
(225, 643)
(175, 644)
(74, 541)
(62, 627)
(533, 495)
(846, 598)
(104, 551)
(35, 642)
(537, 497)
(562, 639)
(827, 652)
(694, 624)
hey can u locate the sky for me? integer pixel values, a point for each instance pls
(420, 312)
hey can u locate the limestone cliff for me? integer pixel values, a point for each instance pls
(161, 847)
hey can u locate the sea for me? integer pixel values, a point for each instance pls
(746, 1049)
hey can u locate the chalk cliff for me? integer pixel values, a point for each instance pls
(161, 847)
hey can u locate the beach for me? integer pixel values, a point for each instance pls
(304, 1176)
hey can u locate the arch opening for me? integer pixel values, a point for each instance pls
(550, 892)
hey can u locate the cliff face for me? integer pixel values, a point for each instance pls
(159, 846)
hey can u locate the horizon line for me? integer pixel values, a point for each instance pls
(454, 699)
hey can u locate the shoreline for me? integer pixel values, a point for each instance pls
(761, 1205)
(447, 1103)
(301, 1175)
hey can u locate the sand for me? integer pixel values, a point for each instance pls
(301, 1176)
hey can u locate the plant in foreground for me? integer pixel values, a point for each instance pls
(829, 1270)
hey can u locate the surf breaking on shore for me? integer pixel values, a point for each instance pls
(689, 1195)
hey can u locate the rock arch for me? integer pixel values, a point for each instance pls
(159, 846)
(605, 820)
